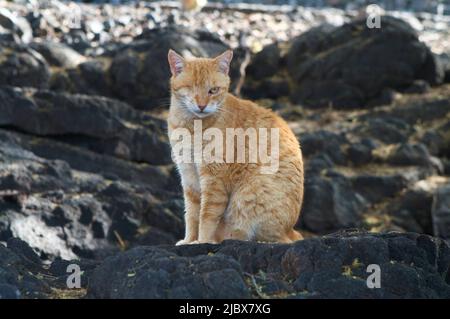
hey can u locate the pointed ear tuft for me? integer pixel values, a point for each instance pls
(176, 62)
(224, 61)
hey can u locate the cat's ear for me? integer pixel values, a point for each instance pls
(176, 62)
(224, 60)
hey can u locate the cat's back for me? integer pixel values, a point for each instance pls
(249, 114)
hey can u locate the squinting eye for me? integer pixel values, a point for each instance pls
(213, 90)
(182, 91)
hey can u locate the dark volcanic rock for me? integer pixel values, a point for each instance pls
(19, 273)
(100, 124)
(350, 65)
(17, 25)
(376, 188)
(413, 154)
(22, 274)
(39, 212)
(266, 62)
(70, 213)
(324, 142)
(22, 66)
(147, 272)
(264, 74)
(413, 111)
(360, 153)
(334, 266)
(90, 77)
(445, 62)
(266, 88)
(418, 87)
(387, 130)
(441, 212)
(330, 203)
(411, 210)
(58, 54)
(9, 292)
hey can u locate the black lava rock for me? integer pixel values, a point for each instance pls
(347, 66)
(334, 266)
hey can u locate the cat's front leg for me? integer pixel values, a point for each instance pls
(191, 192)
(214, 201)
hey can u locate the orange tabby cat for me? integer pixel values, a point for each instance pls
(232, 200)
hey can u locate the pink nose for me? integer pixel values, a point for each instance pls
(201, 107)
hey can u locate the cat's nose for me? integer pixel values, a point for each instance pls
(201, 107)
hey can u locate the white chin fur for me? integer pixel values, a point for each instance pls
(202, 115)
(209, 110)
(191, 109)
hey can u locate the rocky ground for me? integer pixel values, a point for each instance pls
(86, 175)
(333, 266)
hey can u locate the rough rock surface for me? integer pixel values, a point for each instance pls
(351, 65)
(79, 206)
(345, 67)
(58, 54)
(97, 123)
(364, 169)
(441, 213)
(14, 27)
(334, 266)
(20, 65)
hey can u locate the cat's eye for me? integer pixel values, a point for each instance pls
(182, 90)
(213, 90)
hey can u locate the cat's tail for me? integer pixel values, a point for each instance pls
(294, 235)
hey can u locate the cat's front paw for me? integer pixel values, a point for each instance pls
(184, 242)
(196, 242)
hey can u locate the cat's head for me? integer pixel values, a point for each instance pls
(199, 85)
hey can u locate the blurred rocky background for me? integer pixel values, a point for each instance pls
(86, 175)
